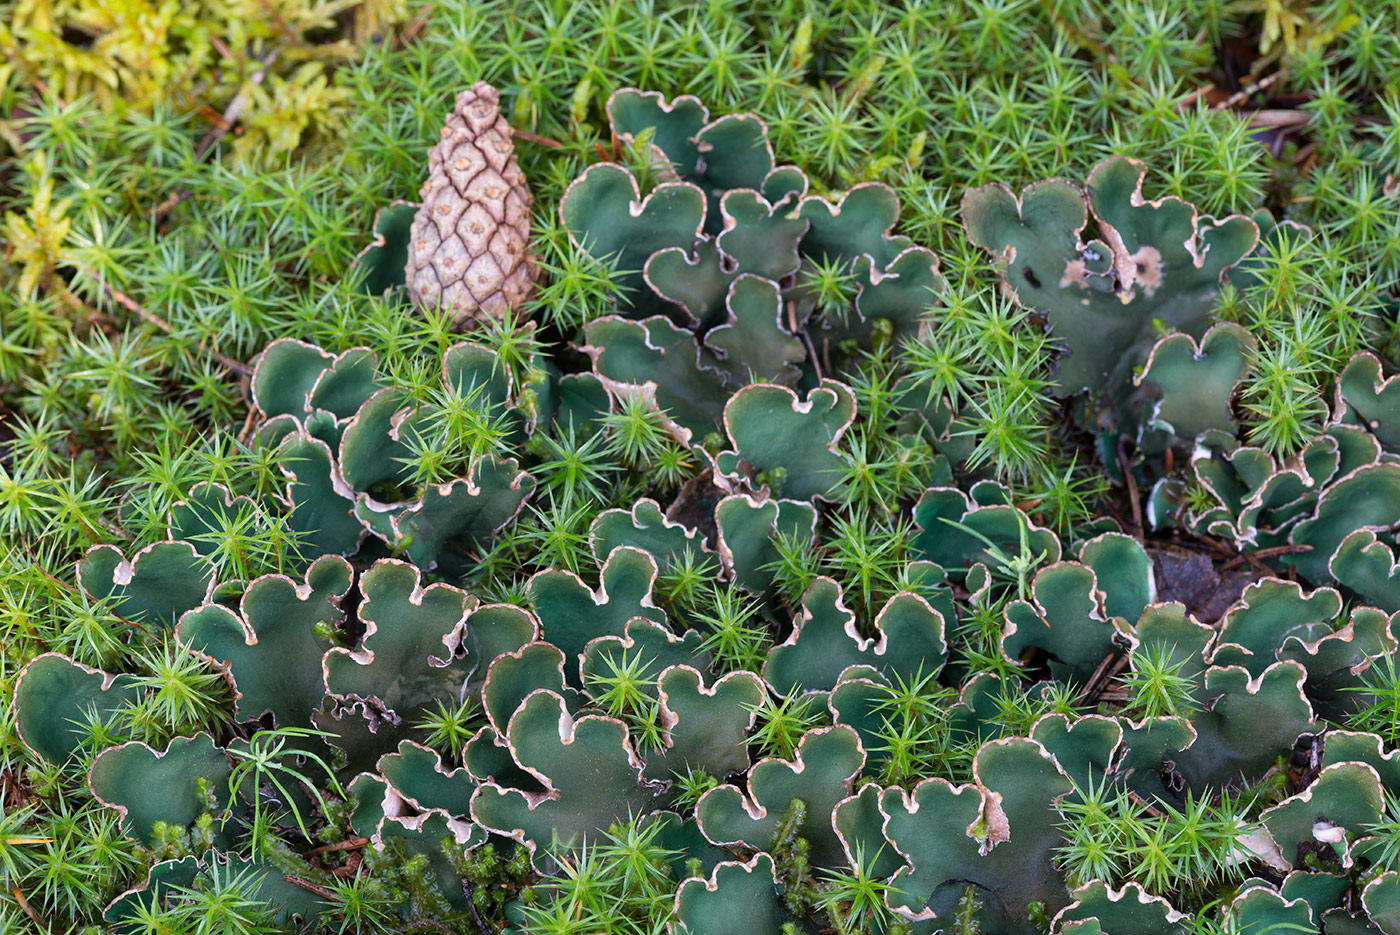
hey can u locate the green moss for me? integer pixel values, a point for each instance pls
(147, 259)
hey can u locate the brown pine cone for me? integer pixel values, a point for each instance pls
(468, 247)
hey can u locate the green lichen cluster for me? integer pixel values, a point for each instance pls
(806, 555)
(268, 66)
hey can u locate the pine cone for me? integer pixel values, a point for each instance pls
(467, 250)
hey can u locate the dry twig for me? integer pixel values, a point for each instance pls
(235, 107)
(140, 311)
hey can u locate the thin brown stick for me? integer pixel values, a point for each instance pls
(1278, 118)
(415, 26)
(75, 303)
(151, 318)
(529, 137)
(1219, 546)
(1282, 550)
(64, 585)
(28, 909)
(1260, 567)
(214, 117)
(247, 431)
(235, 107)
(310, 887)
(1194, 96)
(221, 47)
(348, 845)
(1270, 552)
(806, 339)
(1115, 515)
(1091, 687)
(1102, 691)
(223, 123)
(1145, 805)
(1249, 89)
(177, 198)
(1132, 488)
(468, 890)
